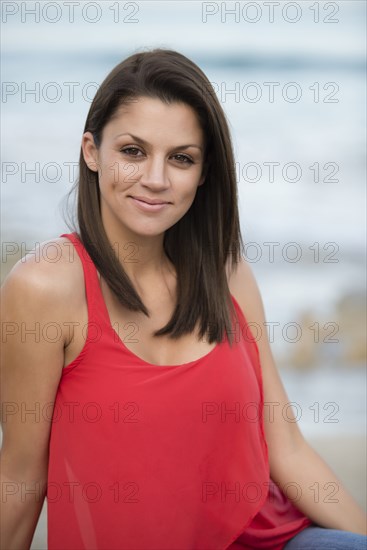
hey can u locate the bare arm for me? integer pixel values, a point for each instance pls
(31, 370)
(311, 484)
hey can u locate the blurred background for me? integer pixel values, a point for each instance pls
(291, 79)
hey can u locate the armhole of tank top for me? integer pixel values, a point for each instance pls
(251, 341)
(249, 338)
(90, 279)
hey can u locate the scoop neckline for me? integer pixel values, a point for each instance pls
(121, 343)
(147, 363)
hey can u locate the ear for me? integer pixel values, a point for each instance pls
(90, 151)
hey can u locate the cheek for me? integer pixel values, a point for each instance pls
(115, 174)
(189, 186)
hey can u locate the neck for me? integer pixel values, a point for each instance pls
(142, 257)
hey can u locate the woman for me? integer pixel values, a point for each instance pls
(155, 419)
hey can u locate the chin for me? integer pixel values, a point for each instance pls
(148, 232)
(153, 227)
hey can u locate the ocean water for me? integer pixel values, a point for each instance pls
(300, 152)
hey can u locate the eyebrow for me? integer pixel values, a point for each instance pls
(143, 142)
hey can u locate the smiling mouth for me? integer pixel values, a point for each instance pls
(149, 201)
(148, 207)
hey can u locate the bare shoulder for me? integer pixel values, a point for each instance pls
(50, 275)
(39, 297)
(50, 266)
(282, 434)
(244, 287)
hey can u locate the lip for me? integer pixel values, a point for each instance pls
(148, 207)
(148, 201)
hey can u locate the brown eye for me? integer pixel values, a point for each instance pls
(131, 151)
(183, 158)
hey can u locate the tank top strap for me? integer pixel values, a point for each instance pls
(96, 305)
(249, 333)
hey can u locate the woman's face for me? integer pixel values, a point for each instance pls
(151, 150)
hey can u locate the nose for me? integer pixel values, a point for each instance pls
(154, 173)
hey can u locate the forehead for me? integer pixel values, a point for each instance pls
(156, 118)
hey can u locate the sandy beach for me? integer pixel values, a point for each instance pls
(346, 456)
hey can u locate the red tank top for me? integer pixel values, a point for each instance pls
(147, 457)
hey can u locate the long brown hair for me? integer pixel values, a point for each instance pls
(200, 243)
